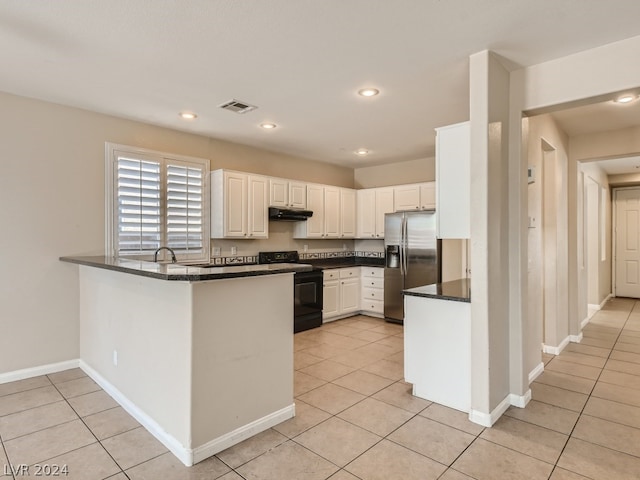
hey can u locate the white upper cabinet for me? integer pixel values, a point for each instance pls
(428, 196)
(334, 213)
(331, 212)
(372, 204)
(415, 196)
(324, 202)
(453, 184)
(287, 193)
(257, 211)
(238, 205)
(384, 205)
(347, 213)
(406, 197)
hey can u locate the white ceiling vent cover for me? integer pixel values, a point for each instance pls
(237, 106)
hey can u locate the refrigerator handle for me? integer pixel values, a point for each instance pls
(403, 244)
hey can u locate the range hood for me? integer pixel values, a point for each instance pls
(288, 215)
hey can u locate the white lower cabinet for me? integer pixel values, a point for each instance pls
(372, 293)
(340, 293)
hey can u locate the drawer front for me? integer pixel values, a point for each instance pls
(372, 282)
(372, 272)
(372, 294)
(350, 272)
(331, 274)
(376, 306)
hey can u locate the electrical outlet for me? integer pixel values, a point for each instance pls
(234, 250)
(216, 251)
(305, 248)
(115, 358)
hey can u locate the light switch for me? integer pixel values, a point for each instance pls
(532, 222)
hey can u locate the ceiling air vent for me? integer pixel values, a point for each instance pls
(237, 106)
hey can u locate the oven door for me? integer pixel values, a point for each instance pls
(307, 308)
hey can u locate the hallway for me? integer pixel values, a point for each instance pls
(591, 392)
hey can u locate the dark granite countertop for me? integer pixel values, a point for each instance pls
(455, 290)
(177, 272)
(345, 262)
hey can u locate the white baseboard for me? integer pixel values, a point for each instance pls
(488, 419)
(186, 455)
(225, 441)
(576, 338)
(520, 401)
(585, 322)
(593, 306)
(37, 371)
(536, 372)
(556, 350)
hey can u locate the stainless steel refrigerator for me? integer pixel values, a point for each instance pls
(412, 257)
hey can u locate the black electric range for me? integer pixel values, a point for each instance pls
(307, 294)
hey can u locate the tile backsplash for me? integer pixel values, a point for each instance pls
(249, 259)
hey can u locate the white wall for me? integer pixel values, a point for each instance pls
(410, 171)
(548, 254)
(52, 204)
(489, 116)
(598, 274)
(585, 75)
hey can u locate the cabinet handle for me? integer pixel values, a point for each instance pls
(417, 208)
(342, 283)
(372, 235)
(373, 295)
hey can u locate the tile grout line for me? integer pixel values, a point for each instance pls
(89, 429)
(589, 397)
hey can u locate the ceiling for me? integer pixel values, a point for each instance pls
(300, 61)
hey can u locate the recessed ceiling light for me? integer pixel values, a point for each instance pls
(626, 98)
(268, 126)
(188, 115)
(362, 152)
(368, 92)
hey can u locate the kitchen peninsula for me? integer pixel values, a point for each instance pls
(437, 340)
(189, 350)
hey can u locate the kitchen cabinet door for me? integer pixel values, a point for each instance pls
(453, 181)
(330, 299)
(347, 213)
(384, 205)
(257, 213)
(349, 295)
(428, 196)
(298, 195)
(314, 226)
(331, 212)
(406, 197)
(278, 192)
(366, 217)
(228, 204)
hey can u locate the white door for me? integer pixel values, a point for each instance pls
(628, 243)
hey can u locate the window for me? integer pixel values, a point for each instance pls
(156, 200)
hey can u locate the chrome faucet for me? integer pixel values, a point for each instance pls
(173, 255)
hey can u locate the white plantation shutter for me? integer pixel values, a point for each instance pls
(139, 214)
(185, 208)
(157, 201)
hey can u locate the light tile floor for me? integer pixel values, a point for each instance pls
(357, 420)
